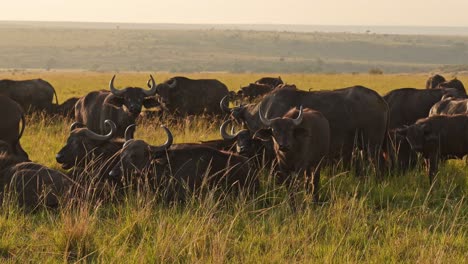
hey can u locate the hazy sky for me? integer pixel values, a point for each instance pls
(326, 12)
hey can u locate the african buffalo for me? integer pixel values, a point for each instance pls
(357, 115)
(88, 151)
(438, 137)
(450, 106)
(192, 166)
(406, 106)
(32, 95)
(434, 81)
(184, 96)
(301, 140)
(11, 114)
(270, 81)
(34, 184)
(120, 106)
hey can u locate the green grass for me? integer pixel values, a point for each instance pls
(399, 218)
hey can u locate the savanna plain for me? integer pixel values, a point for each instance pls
(360, 218)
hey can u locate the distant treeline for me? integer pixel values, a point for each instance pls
(226, 50)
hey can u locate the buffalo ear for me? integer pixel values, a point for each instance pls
(114, 100)
(263, 134)
(150, 102)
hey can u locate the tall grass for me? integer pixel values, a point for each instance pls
(396, 218)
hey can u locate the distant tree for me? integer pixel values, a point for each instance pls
(375, 71)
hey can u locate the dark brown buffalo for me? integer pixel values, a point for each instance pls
(32, 183)
(455, 84)
(189, 166)
(438, 137)
(406, 106)
(67, 108)
(120, 106)
(301, 141)
(90, 152)
(450, 106)
(270, 81)
(11, 115)
(32, 95)
(353, 113)
(434, 81)
(184, 96)
(254, 90)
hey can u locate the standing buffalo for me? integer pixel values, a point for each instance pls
(11, 114)
(33, 184)
(301, 139)
(450, 106)
(434, 81)
(120, 106)
(191, 166)
(32, 95)
(270, 81)
(88, 151)
(406, 106)
(357, 115)
(184, 96)
(438, 137)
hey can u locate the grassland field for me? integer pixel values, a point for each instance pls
(397, 219)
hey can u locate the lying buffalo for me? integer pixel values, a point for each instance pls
(301, 139)
(11, 115)
(177, 168)
(438, 137)
(184, 96)
(120, 106)
(31, 183)
(357, 116)
(406, 106)
(90, 152)
(450, 106)
(32, 95)
(434, 81)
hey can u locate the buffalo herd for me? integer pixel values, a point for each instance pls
(291, 132)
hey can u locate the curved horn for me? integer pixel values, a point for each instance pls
(115, 91)
(224, 104)
(76, 125)
(167, 144)
(224, 134)
(265, 121)
(298, 120)
(95, 136)
(130, 132)
(152, 91)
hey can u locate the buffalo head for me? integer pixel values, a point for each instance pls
(137, 156)
(282, 129)
(81, 143)
(133, 98)
(165, 90)
(418, 135)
